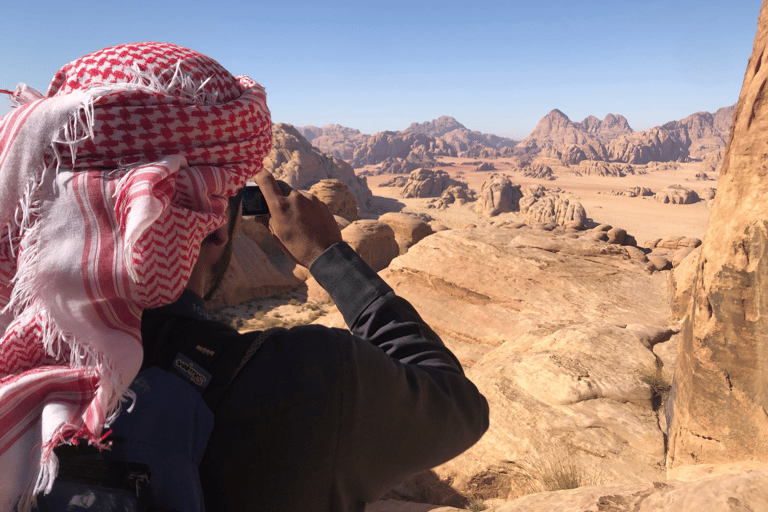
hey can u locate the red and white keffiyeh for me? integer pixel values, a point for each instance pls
(108, 185)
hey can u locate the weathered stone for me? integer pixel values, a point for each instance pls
(659, 261)
(428, 183)
(498, 195)
(616, 235)
(676, 194)
(337, 196)
(721, 395)
(408, 229)
(373, 240)
(294, 160)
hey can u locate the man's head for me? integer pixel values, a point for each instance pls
(108, 185)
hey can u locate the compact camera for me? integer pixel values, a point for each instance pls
(253, 202)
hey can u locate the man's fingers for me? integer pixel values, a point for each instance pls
(270, 188)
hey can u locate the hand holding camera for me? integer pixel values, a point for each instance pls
(302, 224)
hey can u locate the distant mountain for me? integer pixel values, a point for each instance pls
(334, 139)
(437, 127)
(420, 142)
(613, 140)
(697, 137)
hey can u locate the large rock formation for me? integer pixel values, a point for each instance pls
(428, 183)
(721, 392)
(467, 143)
(498, 195)
(336, 140)
(414, 147)
(558, 333)
(294, 160)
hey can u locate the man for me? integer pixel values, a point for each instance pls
(322, 419)
(308, 418)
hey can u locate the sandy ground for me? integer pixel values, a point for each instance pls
(643, 217)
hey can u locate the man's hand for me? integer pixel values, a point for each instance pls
(302, 224)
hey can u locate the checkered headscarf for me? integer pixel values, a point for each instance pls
(108, 185)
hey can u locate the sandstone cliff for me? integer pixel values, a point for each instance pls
(294, 160)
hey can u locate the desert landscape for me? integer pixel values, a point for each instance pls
(571, 272)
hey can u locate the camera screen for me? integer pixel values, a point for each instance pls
(253, 201)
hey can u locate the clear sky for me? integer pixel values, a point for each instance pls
(496, 66)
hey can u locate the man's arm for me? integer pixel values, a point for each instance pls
(408, 406)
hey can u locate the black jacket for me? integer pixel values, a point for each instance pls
(323, 419)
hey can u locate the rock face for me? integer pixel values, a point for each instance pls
(721, 392)
(428, 183)
(336, 140)
(549, 328)
(655, 144)
(498, 195)
(253, 271)
(413, 147)
(294, 160)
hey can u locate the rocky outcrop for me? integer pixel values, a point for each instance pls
(498, 195)
(413, 147)
(254, 271)
(676, 194)
(655, 144)
(611, 127)
(720, 399)
(539, 171)
(294, 160)
(597, 168)
(454, 194)
(336, 140)
(540, 206)
(467, 143)
(337, 196)
(548, 327)
(428, 183)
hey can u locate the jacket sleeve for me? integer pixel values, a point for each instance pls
(408, 406)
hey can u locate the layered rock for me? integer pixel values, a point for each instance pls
(294, 160)
(541, 322)
(655, 144)
(498, 195)
(336, 140)
(337, 196)
(428, 183)
(676, 194)
(414, 147)
(721, 393)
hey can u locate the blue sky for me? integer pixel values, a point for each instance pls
(496, 66)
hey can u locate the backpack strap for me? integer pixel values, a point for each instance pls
(205, 353)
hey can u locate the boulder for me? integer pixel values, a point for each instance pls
(408, 229)
(498, 195)
(373, 240)
(337, 196)
(718, 414)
